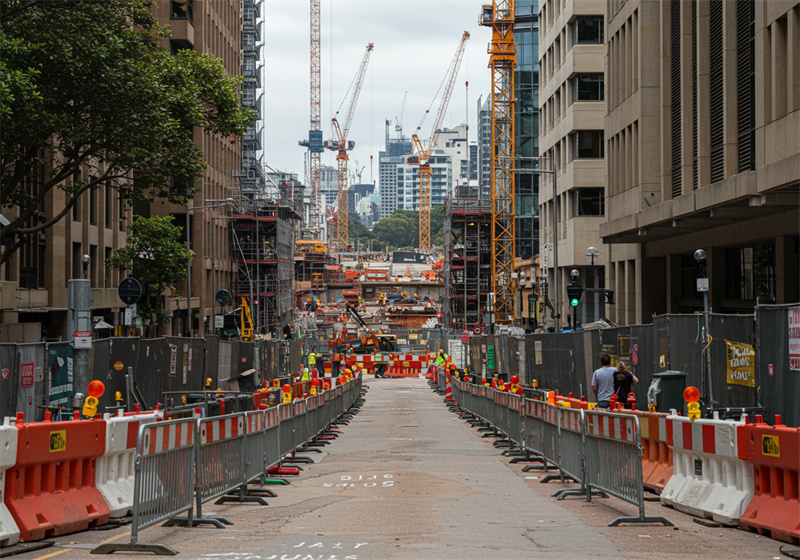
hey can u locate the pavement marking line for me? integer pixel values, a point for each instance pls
(62, 551)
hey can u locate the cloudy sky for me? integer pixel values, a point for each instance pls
(415, 41)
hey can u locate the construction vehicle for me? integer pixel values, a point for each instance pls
(342, 145)
(247, 321)
(422, 153)
(366, 344)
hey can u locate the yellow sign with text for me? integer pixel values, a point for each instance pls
(741, 363)
(770, 446)
(58, 441)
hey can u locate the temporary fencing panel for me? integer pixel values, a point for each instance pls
(9, 387)
(571, 453)
(9, 532)
(514, 419)
(32, 386)
(255, 443)
(774, 452)
(614, 461)
(219, 459)
(300, 427)
(116, 467)
(164, 480)
(709, 479)
(51, 489)
(776, 373)
(286, 415)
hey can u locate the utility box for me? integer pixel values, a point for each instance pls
(666, 390)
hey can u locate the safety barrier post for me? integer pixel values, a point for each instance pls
(709, 479)
(614, 461)
(774, 452)
(116, 468)
(51, 490)
(164, 481)
(9, 532)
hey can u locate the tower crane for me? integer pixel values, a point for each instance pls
(499, 15)
(398, 127)
(314, 142)
(423, 152)
(342, 145)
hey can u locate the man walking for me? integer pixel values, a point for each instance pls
(603, 382)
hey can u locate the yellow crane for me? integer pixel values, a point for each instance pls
(499, 15)
(342, 145)
(314, 142)
(247, 331)
(423, 152)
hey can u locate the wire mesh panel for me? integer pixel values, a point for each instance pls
(571, 460)
(300, 428)
(614, 460)
(777, 377)
(550, 448)
(272, 438)
(255, 444)
(220, 455)
(286, 415)
(532, 434)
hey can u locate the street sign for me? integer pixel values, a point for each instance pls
(82, 340)
(219, 321)
(223, 297)
(477, 331)
(702, 284)
(130, 291)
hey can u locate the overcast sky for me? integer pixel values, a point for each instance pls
(415, 41)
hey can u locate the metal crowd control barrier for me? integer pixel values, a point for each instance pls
(300, 427)
(286, 417)
(614, 461)
(164, 481)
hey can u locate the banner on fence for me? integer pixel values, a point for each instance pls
(741, 360)
(794, 339)
(456, 352)
(59, 364)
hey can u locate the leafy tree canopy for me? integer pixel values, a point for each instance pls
(157, 256)
(88, 98)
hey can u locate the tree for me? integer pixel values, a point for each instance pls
(157, 256)
(89, 99)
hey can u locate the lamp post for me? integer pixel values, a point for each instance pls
(592, 253)
(521, 289)
(701, 256)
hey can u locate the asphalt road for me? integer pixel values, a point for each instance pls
(408, 479)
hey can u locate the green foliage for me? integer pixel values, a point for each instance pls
(89, 99)
(157, 256)
(401, 229)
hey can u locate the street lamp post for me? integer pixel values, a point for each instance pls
(700, 256)
(592, 253)
(521, 288)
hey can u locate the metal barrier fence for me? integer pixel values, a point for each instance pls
(182, 464)
(601, 451)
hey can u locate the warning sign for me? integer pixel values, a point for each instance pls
(770, 446)
(26, 373)
(58, 441)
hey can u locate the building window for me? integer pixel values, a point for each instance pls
(589, 30)
(589, 144)
(587, 87)
(589, 202)
(182, 9)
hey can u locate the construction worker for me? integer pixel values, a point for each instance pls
(380, 364)
(312, 360)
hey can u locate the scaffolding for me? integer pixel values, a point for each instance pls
(467, 262)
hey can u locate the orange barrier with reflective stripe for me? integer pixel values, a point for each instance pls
(51, 489)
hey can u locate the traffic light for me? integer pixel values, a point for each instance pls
(610, 297)
(574, 292)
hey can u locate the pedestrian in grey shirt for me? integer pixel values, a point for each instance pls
(603, 382)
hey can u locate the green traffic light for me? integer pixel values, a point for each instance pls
(574, 302)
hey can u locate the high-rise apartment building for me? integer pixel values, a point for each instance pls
(388, 160)
(485, 147)
(572, 112)
(703, 150)
(408, 182)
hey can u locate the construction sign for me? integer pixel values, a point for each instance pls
(741, 360)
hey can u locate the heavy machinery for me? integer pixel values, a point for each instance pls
(366, 344)
(342, 145)
(314, 142)
(423, 152)
(247, 321)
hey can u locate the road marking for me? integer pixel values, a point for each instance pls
(62, 551)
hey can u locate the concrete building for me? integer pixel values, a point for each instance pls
(485, 147)
(453, 142)
(408, 182)
(217, 30)
(703, 149)
(388, 160)
(572, 111)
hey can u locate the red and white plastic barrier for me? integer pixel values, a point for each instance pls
(115, 468)
(9, 532)
(709, 480)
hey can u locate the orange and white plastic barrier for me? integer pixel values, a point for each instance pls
(116, 467)
(774, 452)
(51, 490)
(9, 532)
(709, 479)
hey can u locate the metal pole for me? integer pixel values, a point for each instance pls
(557, 313)
(188, 274)
(213, 281)
(257, 308)
(708, 348)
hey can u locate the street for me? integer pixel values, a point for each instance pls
(408, 479)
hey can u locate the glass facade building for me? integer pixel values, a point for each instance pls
(526, 80)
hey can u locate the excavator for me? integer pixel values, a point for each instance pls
(379, 342)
